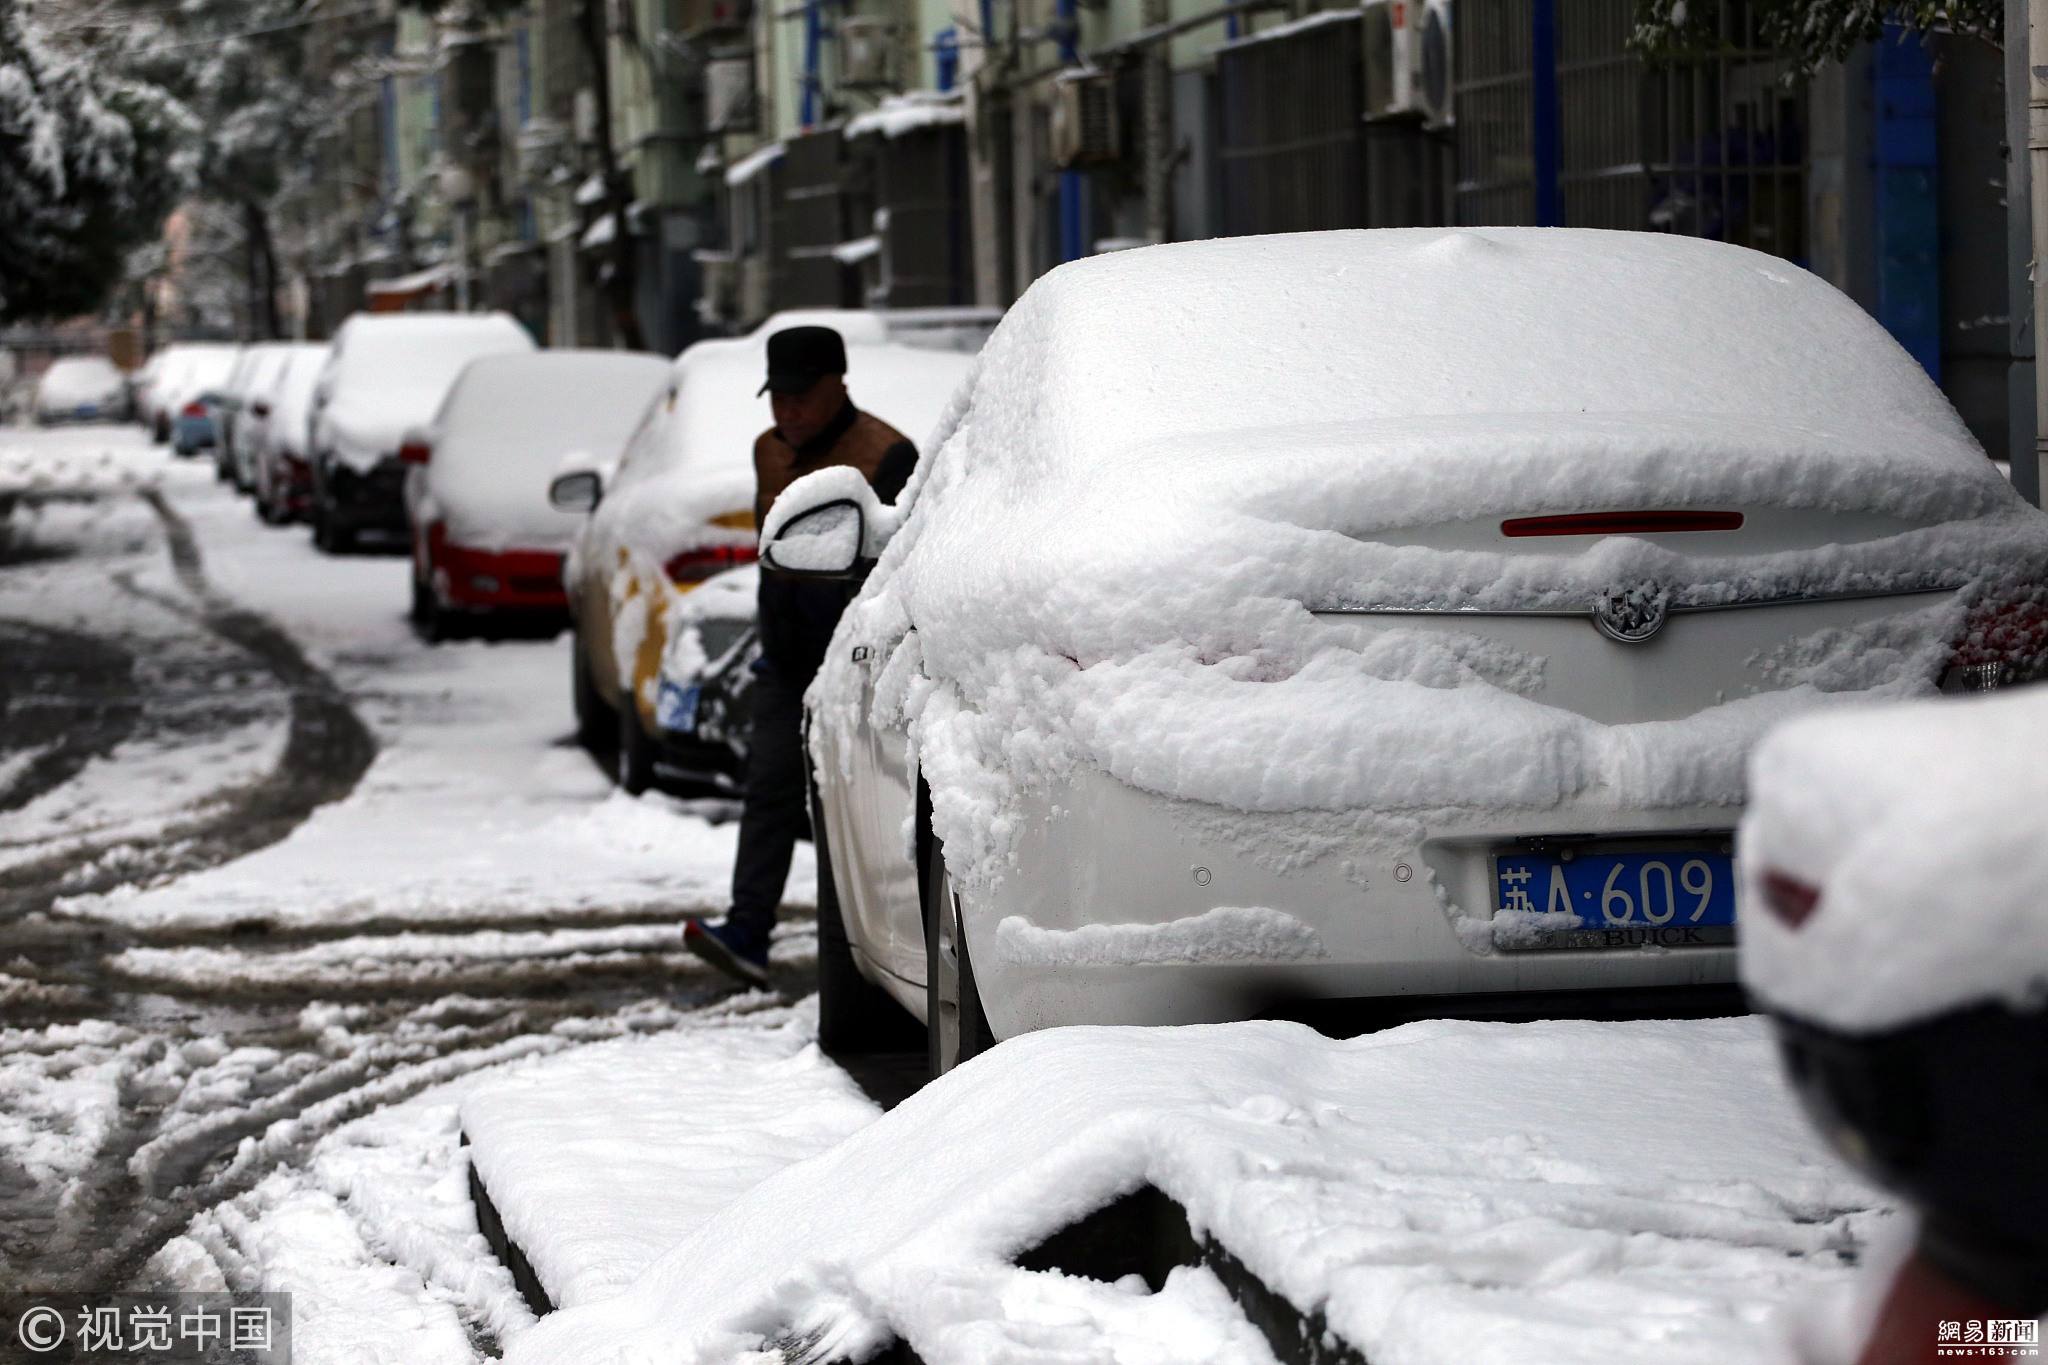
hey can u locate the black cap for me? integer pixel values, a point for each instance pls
(799, 357)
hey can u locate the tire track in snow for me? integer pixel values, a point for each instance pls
(327, 750)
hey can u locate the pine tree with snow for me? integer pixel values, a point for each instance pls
(90, 162)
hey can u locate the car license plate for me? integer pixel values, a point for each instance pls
(675, 707)
(1572, 899)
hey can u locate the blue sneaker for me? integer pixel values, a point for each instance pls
(732, 948)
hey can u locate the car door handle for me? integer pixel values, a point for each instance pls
(861, 653)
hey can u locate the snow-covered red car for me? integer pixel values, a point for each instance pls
(677, 507)
(81, 388)
(485, 538)
(1356, 615)
(386, 374)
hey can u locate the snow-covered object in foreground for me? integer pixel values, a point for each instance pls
(81, 386)
(1321, 573)
(1444, 1194)
(504, 429)
(602, 1158)
(1924, 828)
(679, 507)
(389, 373)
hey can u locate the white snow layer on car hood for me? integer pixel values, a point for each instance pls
(1168, 458)
(1433, 1190)
(1925, 829)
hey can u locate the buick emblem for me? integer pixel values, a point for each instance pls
(1632, 614)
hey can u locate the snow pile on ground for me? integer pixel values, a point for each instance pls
(471, 809)
(602, 1158)
(1116, 554)
(1462, 1193)
(78, 462)
(1922, 828)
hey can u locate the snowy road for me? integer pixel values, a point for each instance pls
(269, 864)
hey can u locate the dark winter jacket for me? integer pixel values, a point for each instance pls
(798, 615)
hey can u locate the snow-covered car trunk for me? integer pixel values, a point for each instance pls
(485, 536)
(1385, 613)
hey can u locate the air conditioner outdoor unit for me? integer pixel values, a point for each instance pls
(1408, 60)
(1084, 118)
(867, 51)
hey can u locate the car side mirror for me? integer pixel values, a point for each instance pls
(824, 525)
(819, 542)
(579, 490)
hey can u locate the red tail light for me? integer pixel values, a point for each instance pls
(1620, 523)
(694, 566)
(415, 452)
(2004, 642)
(193, 410)
(1790, 899)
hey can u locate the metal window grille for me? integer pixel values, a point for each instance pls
(1709, 143)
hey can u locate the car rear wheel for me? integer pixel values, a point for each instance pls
(428, 617)
(955, 1026)
(635, 768)
(329, 537)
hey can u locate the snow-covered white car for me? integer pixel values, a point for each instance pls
(248, 409)
(486, 540)
(677, 506)
(81, 388)
(283, 476)
(1357, 615)
(386, 374)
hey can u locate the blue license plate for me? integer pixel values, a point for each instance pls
(1570, 899)
(675, 707)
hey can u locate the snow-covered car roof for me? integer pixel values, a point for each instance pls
(693, 459)
(291, 395)
(509, 421)
(389, 372)
(1924, 827)
(1367, 328)
(78, 379)
(193, 368)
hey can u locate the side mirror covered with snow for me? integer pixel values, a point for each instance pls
(579, 490)
(824, 525)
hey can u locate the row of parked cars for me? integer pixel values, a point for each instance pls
(612, 490)
(1275, 620)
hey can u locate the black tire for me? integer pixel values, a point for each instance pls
(328, 537)
(428, 617)
(956, 1027)
(634, 770)
(593, 718)
(854, 1014)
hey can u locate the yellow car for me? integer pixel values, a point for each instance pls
(676, 507)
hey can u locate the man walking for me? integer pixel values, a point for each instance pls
(816, 427)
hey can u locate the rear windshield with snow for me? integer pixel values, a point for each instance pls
(405, 358)
(520, 414)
